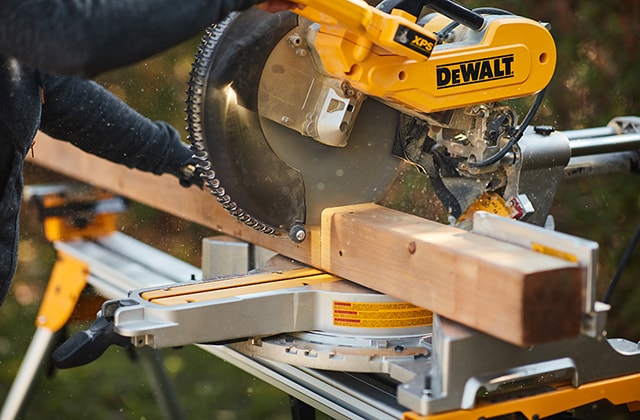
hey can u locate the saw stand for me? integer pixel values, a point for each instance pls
(80, 219)
(454, 372)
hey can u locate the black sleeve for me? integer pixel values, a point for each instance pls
(86, 37)
(87, 115)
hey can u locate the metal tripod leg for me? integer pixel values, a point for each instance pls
(68, 279)
(151, 360)
(300, 410)
(27, 374)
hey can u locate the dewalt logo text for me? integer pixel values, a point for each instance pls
(474, 71)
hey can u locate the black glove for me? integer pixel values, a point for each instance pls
(189, 175)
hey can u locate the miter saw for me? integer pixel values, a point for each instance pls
(311, 110)
(333, 104)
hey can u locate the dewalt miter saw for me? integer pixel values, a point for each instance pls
(311, 110)
(332, 105)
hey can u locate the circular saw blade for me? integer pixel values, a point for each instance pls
(260, 170)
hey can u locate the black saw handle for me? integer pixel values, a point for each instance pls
(86, 346)
(449, 8)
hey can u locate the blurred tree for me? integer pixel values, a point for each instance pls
(156, 87)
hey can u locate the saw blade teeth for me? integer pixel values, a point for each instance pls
(196, 89)
(198, 148)
(195, 108)
(196, 139)
(192, 89)
(204, 52)
(201, 157)
(197, 99)
(197, 79)
(195, 118)
(205, 165)
(231, 207)
(197, 71)
(200, 163)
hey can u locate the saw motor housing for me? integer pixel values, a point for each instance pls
(509, 57)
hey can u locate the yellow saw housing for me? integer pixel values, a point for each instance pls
(390, 57)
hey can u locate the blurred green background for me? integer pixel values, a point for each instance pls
(596, 80)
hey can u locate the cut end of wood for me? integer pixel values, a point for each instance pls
(552, 306)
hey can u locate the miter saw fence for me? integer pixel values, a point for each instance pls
(289, 114)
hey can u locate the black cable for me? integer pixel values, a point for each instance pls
(623, 262)
(444, 33)
(515, 137)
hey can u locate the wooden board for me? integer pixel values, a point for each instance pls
(512, 293)
(508, 291)
(161, 192)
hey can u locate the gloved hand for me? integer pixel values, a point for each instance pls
(189, 175)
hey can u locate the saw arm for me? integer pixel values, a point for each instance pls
(391, 57)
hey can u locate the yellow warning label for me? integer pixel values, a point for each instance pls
(543, 249)
(489, 202)
(380, 315)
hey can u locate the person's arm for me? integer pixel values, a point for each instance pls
(87, 115)
(86, 37)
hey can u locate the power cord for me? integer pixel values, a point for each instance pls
(621, 265)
